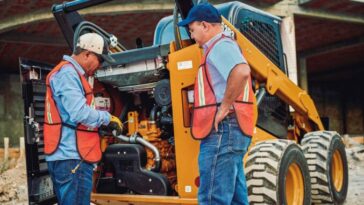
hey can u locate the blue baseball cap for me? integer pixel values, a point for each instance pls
(202, 12)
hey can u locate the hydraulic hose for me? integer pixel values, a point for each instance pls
(157, 158)
(93, 27)
(135, 139)
(153, 113)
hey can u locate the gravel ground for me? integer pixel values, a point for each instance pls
(355, 157)
(13, 185)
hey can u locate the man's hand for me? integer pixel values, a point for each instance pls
(222, 111)
(115, 125)
(238, 77)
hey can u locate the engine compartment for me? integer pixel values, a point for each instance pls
(145, 162)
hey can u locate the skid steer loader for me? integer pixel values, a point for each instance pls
(292, 159)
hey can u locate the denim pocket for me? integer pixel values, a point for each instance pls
(212, 140)
(62, 171)
(238, 142)
(64, 178)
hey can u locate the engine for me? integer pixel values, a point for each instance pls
(143, 162)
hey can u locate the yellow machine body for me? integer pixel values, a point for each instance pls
(186, 148)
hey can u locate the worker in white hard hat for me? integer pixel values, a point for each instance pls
(71, 139)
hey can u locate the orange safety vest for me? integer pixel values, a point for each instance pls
(205, 105)
(87, 139)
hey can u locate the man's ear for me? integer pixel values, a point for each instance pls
(86, 54)
(204, 25)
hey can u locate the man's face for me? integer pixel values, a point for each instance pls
(92, 62)
(198, 32)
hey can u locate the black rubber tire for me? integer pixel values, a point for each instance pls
(266, 169)
(319, 148)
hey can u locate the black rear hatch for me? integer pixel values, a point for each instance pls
(40, 187)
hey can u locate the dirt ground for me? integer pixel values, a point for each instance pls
(355, 156)
(13, 184)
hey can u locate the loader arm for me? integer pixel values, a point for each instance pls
(276, 82)
(72, 23)
(68, 18)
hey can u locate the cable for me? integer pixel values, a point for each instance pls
(93, 27)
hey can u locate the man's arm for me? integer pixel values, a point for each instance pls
(237, 78)
(67, 86)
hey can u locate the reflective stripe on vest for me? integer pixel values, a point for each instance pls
(205, 105)
(87, 139)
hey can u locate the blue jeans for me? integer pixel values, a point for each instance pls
(222, 179)
(71, 188)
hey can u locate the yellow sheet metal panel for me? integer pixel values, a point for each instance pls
(183, 65)
(111, 199)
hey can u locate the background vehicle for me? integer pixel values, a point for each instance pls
(292, 159)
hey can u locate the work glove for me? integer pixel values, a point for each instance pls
(115, 125)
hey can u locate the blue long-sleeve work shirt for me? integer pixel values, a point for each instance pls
(70, 99)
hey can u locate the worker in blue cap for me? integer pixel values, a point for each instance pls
(224, 77)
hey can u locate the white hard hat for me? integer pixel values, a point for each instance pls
(95, 43)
